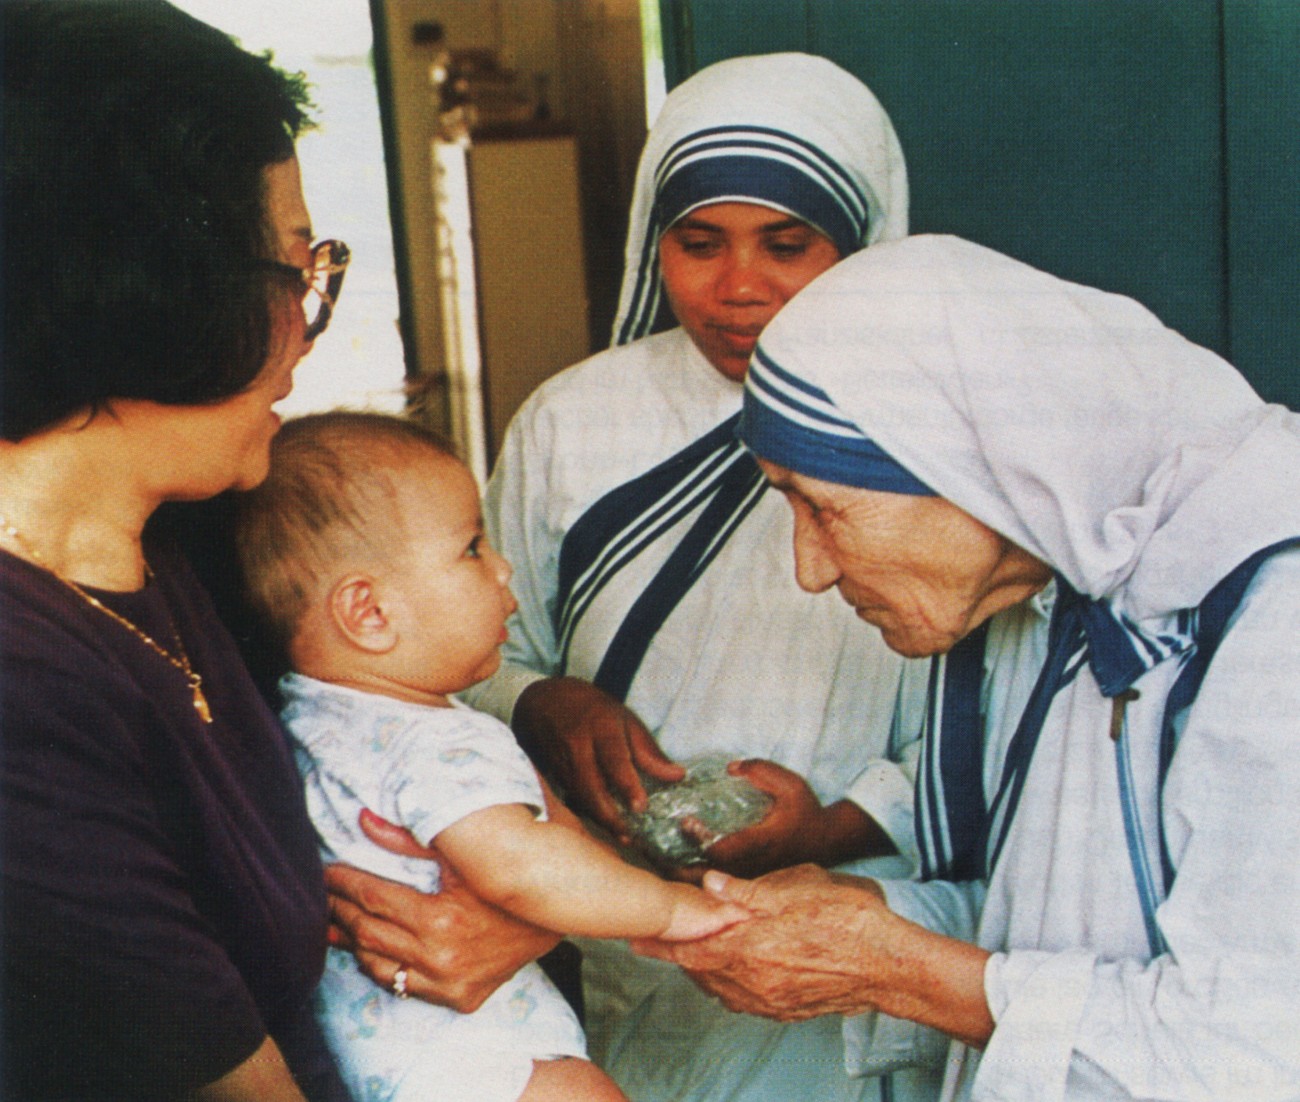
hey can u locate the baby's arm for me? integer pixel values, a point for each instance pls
(557, 876)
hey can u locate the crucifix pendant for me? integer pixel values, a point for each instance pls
(200, 701)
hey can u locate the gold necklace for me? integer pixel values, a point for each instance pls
(181, 660)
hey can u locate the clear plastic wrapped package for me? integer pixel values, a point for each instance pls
(711, 799)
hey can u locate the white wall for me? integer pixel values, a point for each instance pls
(359, 361)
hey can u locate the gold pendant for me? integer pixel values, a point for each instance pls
(200, 701)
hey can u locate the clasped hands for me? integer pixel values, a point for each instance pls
(794, 959)
(800, 956)
(457, 950)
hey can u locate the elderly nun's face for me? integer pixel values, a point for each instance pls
(924, 572)
(729, 267)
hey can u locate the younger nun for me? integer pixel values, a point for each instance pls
(658, 619)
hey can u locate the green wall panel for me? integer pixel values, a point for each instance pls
(1084, 136)
(1080, 137)
(1262, 64)
(697, 34)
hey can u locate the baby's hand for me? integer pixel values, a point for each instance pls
(696, 914)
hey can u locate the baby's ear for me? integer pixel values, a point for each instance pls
(357, 612)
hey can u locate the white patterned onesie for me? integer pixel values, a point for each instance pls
(423, 768)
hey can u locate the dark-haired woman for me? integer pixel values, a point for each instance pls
(164, 916)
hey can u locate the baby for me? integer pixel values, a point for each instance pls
(364, 551)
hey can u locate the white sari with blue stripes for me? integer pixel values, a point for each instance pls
(1131, 853)
(650, 559)
(791, 131)
(745, 662)
(1141, 912)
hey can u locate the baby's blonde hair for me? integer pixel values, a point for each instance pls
(328, 500)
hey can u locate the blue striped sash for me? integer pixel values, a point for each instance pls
(1206, 625)
(715, 478)
(949, 788)
(959, 838)
(1209, 622)
(961, 834)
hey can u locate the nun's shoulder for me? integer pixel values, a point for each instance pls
(634, 376)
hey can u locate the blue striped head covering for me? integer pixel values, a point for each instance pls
(1068, 420)
(796, 425)
(760, 164)
(788, 131)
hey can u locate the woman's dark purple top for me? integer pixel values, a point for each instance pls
(163, 906)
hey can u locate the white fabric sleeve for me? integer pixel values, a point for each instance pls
(1051, 989)
(1215, 1016)
(877, 1043)
(516, 519)
(498, 695)
(885, 789)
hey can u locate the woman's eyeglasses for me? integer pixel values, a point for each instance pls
(321, 282)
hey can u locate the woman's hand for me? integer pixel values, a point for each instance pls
(821, 943)
(796, 829)
(455, 948)
(592, 746)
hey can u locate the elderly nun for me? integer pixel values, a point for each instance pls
(1094, 522)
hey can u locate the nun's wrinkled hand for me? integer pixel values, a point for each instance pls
(799, 956)
(823, 943)
(592, 745)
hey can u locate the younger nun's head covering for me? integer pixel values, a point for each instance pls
(1138, 465)
(789, 131)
